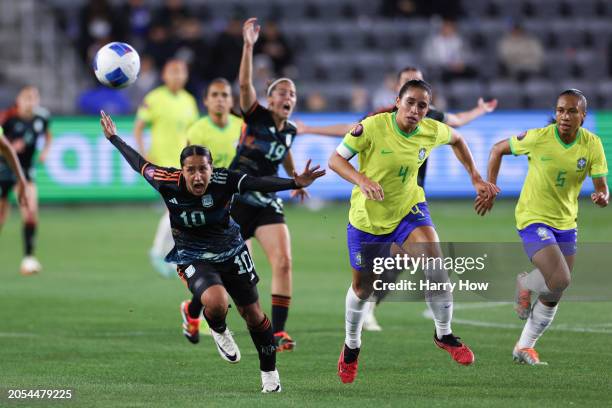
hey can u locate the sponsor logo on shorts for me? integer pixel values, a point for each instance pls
(543, 233)
(358, 259)
(189, 271)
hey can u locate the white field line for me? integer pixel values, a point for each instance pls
(595, 328)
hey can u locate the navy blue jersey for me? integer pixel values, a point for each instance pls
(28, 131)
(201, 226)
(261, 149)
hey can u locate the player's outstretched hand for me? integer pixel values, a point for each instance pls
(485, 188)
(483, 205)
(250, 31)
(600, 199)
(301, 127)
(301, 194)
(371, 189)
(488, 106)
(108, 126)
(308, 176)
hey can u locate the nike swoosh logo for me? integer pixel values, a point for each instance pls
(225, 353)
(546, 158)
(385, 151)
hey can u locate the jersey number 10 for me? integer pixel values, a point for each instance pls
(195, 219)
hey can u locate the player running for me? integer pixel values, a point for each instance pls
(22, 127)
(219, 130)
(212, 257)
(451, 119)
(263, 146)
(561, 155)
(8, 157)
(169, 110)
(387, 206)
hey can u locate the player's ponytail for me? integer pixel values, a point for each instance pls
(195, 150)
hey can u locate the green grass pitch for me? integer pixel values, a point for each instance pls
(99, 321)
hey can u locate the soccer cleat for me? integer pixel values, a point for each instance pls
(526, 355)
(370, 323)
(270, 382)
(347, 371)
(30, 266)
(164, 269)
(226, 346)
(283, 341)
(191, 327)
(458, 351)
(522, 299)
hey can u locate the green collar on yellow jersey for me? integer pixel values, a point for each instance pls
(216, 126)
(567, 145)
(400, 131)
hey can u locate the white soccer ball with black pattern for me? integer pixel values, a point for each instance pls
(116, 65)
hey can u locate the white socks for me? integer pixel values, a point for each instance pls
(440, 302)
(534, 281)
(163, 242)
(540, 319)
(356, 310)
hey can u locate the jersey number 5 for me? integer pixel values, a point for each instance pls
(561, 178)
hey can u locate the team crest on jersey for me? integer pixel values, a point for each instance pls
(357, 130)
(543, 233)
(189, 271)
(581, 163)
(149, 171)
(521, 136)
(38, 125)
(422, 152)
(207, 201)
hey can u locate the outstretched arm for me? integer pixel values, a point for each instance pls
(270, 184)
(500, 149)
(289, 166)
(250, 33)
(337, 130)
(462, 152)
(463, 118)
(136, 161)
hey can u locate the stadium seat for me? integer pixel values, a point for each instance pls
(508, 93)
(540, 93)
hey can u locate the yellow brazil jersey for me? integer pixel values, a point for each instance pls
(555, 175)
(392, 158)
(220, 141)
(169, 116)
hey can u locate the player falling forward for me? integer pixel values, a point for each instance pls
(22, 127)
(211, 256)
(387, 206)
(451, 119)
(169, 110)
(264, 145)
(561, 155)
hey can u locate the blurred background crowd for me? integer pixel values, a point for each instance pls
(343, 54)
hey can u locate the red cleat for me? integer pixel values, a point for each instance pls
(346, 371)
(458, 351)
(191, 327)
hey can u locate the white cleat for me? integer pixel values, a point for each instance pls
(226, 346)
(30, 266)
(527, 356)
(370, 323)
(270, 382)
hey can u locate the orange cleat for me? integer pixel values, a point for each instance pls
(283, 341)
(522, 299)
(191, 327)
(347, 371)
(526, 355)
(458, 351)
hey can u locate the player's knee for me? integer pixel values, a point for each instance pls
(282, 264)
(216, 311)
(561, 283)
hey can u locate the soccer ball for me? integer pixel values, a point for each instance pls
(116, 65)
